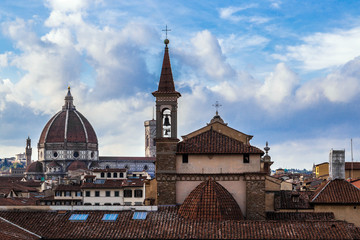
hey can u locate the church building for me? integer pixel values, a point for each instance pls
(215, 152)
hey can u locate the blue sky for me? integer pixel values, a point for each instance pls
(287, 72)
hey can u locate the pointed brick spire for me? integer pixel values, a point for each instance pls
(166, 84)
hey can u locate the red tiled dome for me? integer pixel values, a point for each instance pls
(77, 165)
(210, 201)
(35, 167)
(68, 125)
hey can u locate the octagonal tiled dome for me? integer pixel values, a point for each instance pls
(68, 125)
(210, 201)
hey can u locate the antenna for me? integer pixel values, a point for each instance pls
(352, 160)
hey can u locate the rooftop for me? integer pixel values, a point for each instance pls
(166, 223)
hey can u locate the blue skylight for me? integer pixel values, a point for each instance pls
(110, 217)
(139, 215)
(78, 217)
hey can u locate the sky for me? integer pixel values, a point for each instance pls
(286, 72)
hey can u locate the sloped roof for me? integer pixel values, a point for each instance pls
(167, 224)
(210, 201)
(111, 184)
(77, 165)
(35, 167)
(213, 142)
(293, 200)
(337, 191)
(10, 231)
(54, 164)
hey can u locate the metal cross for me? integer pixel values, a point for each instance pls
(166, 30)
(217, 105)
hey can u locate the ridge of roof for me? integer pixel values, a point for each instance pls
(212, 141)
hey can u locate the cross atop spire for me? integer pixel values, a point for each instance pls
(217, 105)
(166, 30)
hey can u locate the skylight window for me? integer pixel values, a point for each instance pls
(78, 217)
(139, 215)
(110, 217)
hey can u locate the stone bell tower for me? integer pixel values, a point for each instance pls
(28, 151)
(166, 133)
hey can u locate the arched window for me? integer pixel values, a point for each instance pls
(166, 123)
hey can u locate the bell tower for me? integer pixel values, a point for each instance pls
(28, 151)
(166, 133)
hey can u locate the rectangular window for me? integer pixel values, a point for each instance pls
(139, 215)
(128, 193)
(78, 217)
(68, 194)
(107, 193)
(115, 175)
(110, 217)
(87, 193)
(185, 158)
(109, 174)
(138, 193)
(97, 194)
(121, 175)
(58, 193)
(102, 175)
(116, 193)
(78, 194)
(246, 158)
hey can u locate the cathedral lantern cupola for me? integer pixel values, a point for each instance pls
(166, 100)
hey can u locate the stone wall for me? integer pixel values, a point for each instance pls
(166, 170)
(255, 196)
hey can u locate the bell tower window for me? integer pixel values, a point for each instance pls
(166, 123)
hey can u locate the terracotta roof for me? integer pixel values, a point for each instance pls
(110, 170)
(214, 142)
(356, 183)
(54, 164)
(293, 200)
(300, 216)
(350, 165)
(210, 201)
(111, 158)
(167, 224)
(110, 184)
(10, 231)
(337, 191)
(70, 122)
(68, 187)
(35, 167)
(77, 165)
(166, 84)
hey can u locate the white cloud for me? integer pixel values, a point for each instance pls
(228, 13)
(325, 50)
(342, 85)
(67, 5)
(4, 59)
(278, 86)
(207, 54)
(235, 43)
